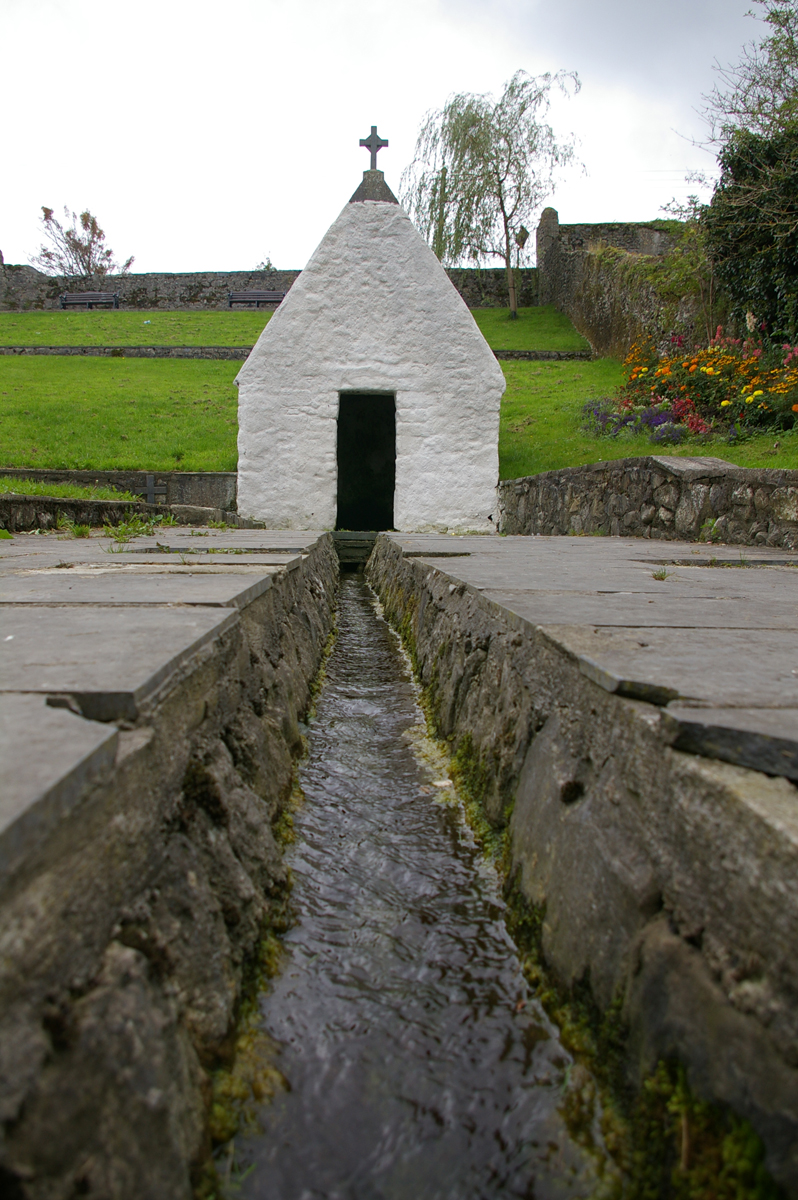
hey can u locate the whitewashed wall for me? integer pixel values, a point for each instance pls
(373, 311)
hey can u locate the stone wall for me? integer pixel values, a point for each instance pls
(661, 882)
(658, 497)
(584, 270)
(134, 904)
(203, 489)
(20, 513)
(23, 288)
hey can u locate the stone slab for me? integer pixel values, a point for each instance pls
(138, 584)
(722, 639)
(109, 659)
(623, 609)
(48, 758)
(766, 740)
(722, 668)
(177, 538)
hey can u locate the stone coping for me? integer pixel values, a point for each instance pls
(714, 643)
(99, 629)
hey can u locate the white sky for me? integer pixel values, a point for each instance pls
(208, 135)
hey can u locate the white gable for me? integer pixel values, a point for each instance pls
(373, 311)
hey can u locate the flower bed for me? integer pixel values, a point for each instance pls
(731, 387)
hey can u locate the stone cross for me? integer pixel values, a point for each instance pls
(374, 143)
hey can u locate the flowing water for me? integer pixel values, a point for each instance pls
(417, 1066)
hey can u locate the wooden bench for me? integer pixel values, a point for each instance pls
(256, 298)
(70, 299)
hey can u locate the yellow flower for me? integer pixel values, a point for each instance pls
(749, 399)
(760, 393)
(725, 403)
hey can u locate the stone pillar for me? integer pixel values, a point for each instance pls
(547, 239)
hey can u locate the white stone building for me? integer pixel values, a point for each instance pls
(371, 399)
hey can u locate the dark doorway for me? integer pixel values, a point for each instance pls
(366, 461)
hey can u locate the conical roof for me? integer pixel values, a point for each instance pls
(373, 293)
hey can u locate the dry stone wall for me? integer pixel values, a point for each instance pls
(22, 288)
(582, 272)
(665, 497)
(201, 489)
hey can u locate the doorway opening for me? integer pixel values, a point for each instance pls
(366, 460)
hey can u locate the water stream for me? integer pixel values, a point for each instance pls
(417, 1065)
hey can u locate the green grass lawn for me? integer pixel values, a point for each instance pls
(140, 414)
(109, 327)
(118, 414)
(542, 328)
(542, 415)
(66, 491)
(536, 328)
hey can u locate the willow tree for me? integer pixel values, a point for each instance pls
(482, 169)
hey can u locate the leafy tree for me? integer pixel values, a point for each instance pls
(751, 226)
(483, 167)
(760, 92)
(77, 250)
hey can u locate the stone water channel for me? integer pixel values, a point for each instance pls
(416, 1063)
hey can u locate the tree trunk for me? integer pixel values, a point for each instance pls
(441, 220)
(511, 292)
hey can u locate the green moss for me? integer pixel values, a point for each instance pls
(667, 1142)
(689, 1150)
(472, 775)
(247, 1075)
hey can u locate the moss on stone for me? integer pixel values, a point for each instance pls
(247, 1074)
(667, 1143)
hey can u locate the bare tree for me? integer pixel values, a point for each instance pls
(76, 250)
(482, 169)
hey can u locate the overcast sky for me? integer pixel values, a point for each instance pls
(209, 135)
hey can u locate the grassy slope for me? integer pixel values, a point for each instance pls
(116, 414)
(108, 414)
(542, 328)
(72, 491)
(536, 328)
(106, 327)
